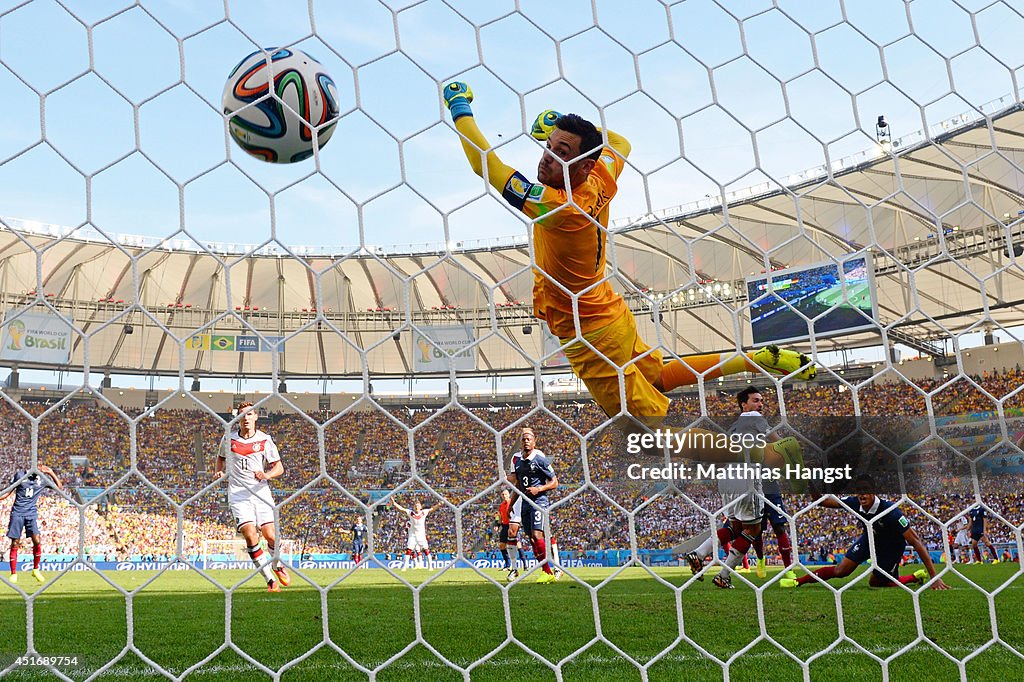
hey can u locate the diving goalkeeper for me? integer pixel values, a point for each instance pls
(576, 181)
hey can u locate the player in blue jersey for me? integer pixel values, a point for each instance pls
(534, 477)
(979, 533)
(892, 533)
(26, 488)
(358, 532)
(774, 516)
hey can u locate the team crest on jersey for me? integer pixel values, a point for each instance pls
(257, 447)
(516, 186)
(535, 194)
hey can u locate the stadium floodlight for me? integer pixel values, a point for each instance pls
(883, 133)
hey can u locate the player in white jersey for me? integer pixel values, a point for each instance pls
(742, 497)
(416, 546)
(515, 517)
(252, 460)
(962, 543)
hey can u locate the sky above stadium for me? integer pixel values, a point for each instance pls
(112, 146)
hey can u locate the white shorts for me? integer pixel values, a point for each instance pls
(251, 508)
(745, 507)
(417, 543)
(516, 515)
(961, 539)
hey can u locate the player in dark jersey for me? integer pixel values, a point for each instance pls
(979, 533)
(358, 531)
(892, 533)
(534, 477)
(774, 516)
(26, 488)
(515, 516)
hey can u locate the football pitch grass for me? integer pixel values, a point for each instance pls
(857, 293)
(180, 618)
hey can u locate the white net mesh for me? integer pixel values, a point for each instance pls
(880, 140)
(227, 554)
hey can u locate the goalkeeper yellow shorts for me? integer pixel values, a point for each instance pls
(620, 343)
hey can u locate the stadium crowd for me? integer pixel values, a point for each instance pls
(460, 455)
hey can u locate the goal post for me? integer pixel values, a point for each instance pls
(232, 552)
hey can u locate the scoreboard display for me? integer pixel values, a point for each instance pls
(825, 300)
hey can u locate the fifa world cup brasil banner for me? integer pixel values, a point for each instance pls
(36, 337)
(433, 346)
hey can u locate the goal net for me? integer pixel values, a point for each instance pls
(838, 179)
(222, 554)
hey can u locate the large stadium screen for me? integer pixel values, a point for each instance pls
(813, 293)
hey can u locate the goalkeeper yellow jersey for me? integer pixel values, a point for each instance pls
(571, 248)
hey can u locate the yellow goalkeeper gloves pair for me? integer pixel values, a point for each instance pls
(458, 96)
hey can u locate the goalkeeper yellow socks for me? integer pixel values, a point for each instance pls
(713, 365)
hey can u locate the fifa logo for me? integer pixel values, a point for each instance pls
(16, 330)
(425, 348)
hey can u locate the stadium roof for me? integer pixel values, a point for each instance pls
(936, 216)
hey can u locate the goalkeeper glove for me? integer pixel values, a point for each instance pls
(544, 124)
(457, 97)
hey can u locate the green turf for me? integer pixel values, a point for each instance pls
(179, 620)
(857, 293)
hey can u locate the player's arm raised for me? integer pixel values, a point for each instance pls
(544, 125)
(618, 143)
(394, 503)
(53, 476)
(13, 485)
(914, 540)
(484, 161)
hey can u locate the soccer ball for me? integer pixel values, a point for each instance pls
(280, 129)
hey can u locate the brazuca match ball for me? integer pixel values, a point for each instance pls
(268, 129)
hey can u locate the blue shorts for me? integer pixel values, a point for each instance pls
(770, 515)
(976, 534)
(22, 524)
(888, 556)
(358, 547)
(533, 519)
